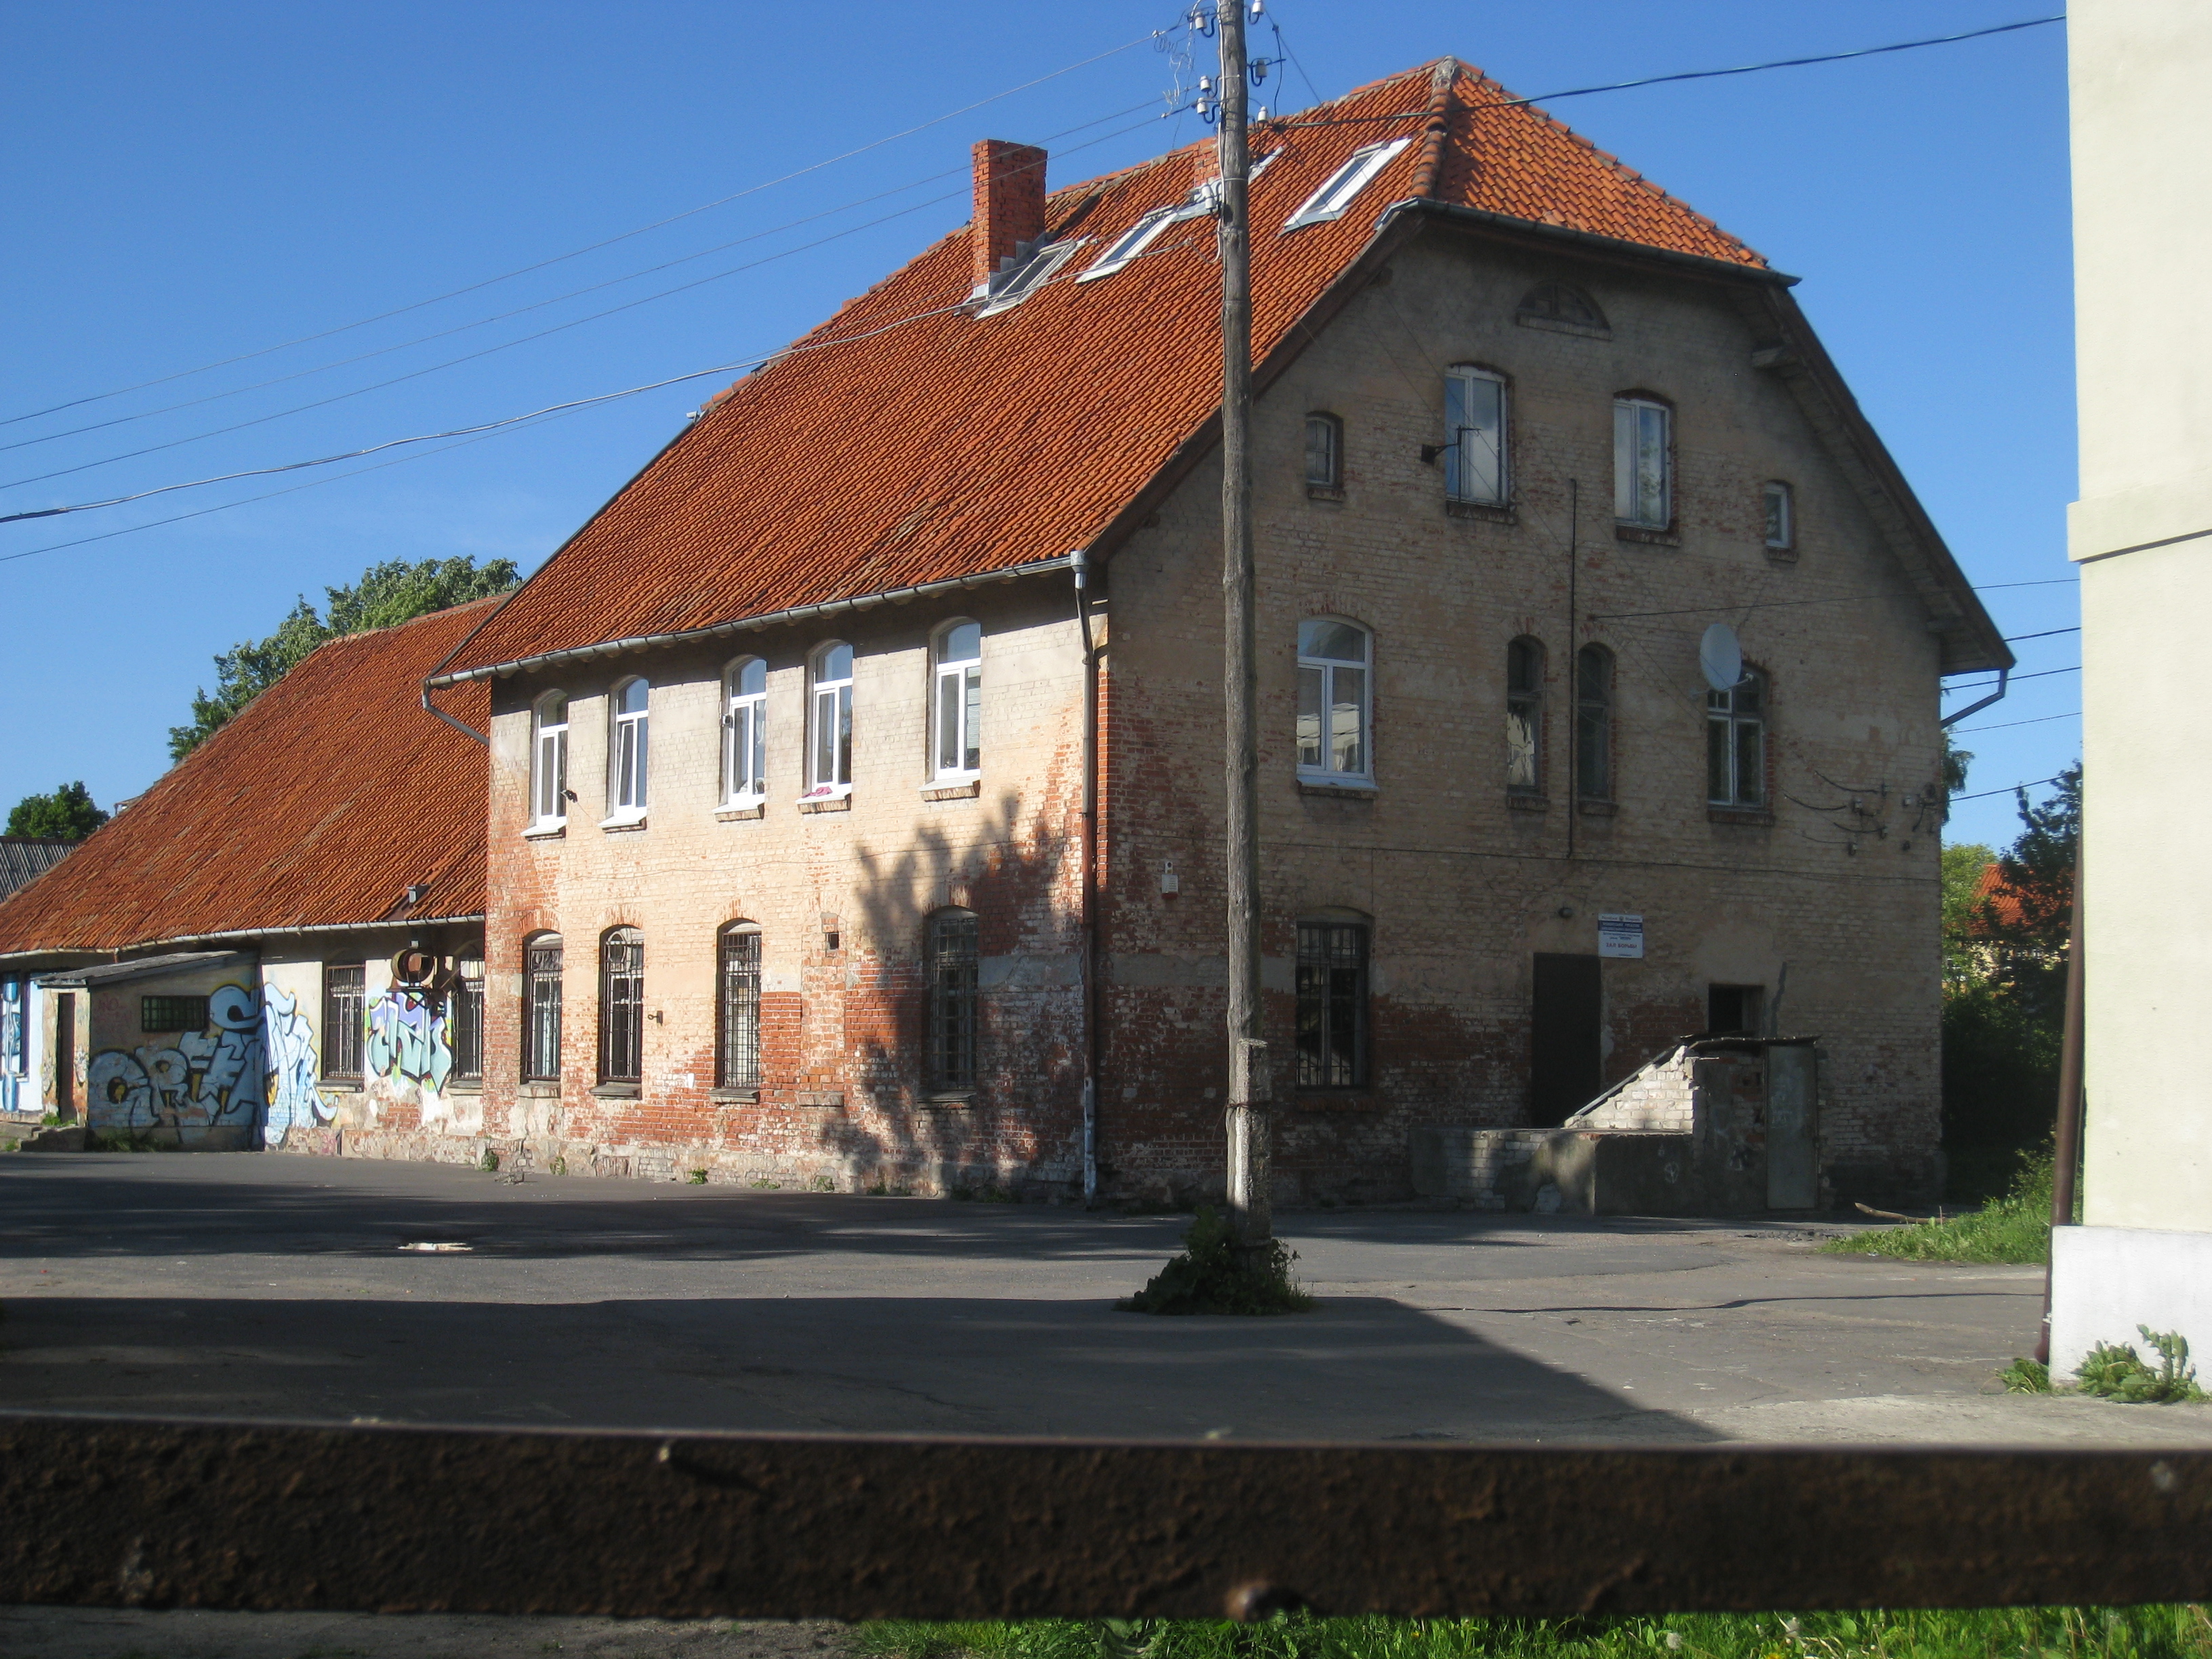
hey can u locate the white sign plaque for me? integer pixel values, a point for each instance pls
(1619, 935)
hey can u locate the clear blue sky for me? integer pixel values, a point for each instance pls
(190, 182)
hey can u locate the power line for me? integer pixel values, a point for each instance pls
(1985, 793)
(2013, 679)
(2073, 715)
(593, 247)
(2047, 633)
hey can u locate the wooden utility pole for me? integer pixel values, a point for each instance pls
(1250, 1134)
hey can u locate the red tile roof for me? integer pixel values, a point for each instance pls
(321, 802)
(908, 440)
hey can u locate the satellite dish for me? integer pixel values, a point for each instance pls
(1721, 657)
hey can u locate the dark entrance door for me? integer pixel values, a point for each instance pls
(1564, 1035)
(65, 1056)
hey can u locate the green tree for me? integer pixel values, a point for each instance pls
(1963, 865)
(68, 814)
(386, 595)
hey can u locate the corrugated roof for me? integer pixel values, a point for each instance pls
(318, 805)
(908, 440)
(22, 857)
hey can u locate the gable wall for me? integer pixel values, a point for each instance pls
(1462, 888)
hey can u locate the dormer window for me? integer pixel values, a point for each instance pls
(1347, 181)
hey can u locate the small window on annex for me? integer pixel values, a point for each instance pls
(541, 1009)
(953, 967)
(1474, 436)
(343, 1015)
(744, 732)
(738, 992)
(1781, 514)
(1334, 717)
(1643, 463)
(622, 1006)
(1736, 743)
(466, 1012)
(1331, 1018)
(627, 749)
(1524, 717)
(1324, 450)
(957, 710)
(829, 721)
(548, 760)
(1594, 723)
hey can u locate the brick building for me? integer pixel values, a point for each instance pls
(854, 773)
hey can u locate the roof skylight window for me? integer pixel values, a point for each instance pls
(1133, 241)
(1016, 285)
(1347, 181)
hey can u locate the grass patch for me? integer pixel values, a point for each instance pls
(2145, 1632)
(1208, 1278)
(2015, 1227)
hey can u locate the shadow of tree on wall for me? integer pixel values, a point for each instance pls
(1020, 1127)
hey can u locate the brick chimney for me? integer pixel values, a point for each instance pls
(1009, 203)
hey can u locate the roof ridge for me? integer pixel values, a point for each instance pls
(1442, 77)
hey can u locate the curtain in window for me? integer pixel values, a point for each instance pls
(1642, 489)
(1524, 717)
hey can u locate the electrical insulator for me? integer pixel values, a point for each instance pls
(1258, 71)
(1259, 9)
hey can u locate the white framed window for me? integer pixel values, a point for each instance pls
(1016, 285)
(627, 756)
(829, 721)
(744, 732)
(957, 709)
(1334, 701)
(549, 761)
(1347, 182)
(1736, 743)
(1475, 443)
(1131, 243)
(1781, 512)
(1643, 463)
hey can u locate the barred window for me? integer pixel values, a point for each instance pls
(1524, 717)
(738, 1056)
(343, 1027)
(953, 983)
(622, 1006)
(1736, 743)
(171, 1013)
(541, 1009)
(1332, 983)
(1594, 723)
(466, 1015)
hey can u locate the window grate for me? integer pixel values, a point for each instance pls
(466, 1011)
(738, 1064)
(1332, 1020)
(953, 965)
(541, 1012)
(343, 1011)
(622, 1007)
(171, 1013)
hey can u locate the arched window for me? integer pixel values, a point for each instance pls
(548, 761)
(1333, 704)
(1563, 307)
(1474, 435)
(738, 992)
(1736, 743)
(953, 970)
(1324, 450)
(541, 1009)
(1594, 723)
(622, 1006)
(744, 732)
(1332, 990)
(957, 707)
(830, 720)
(627, 749)
(1643, 462)
(1524, 717)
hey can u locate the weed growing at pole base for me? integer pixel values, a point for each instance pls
(2015, 1228)
(1207, 1277)
(2143, 1632)
(2116, 1371)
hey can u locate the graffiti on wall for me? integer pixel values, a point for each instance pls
(408, 1040)
(13, 1044)
(289, 1041)
(212, 1075)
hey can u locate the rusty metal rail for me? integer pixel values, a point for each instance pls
(123, 1511)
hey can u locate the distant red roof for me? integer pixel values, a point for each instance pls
(321, 802)
(907, 441)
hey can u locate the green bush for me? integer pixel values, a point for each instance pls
(2117, 1371)
(1208, 1278)
(2014, 1228)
